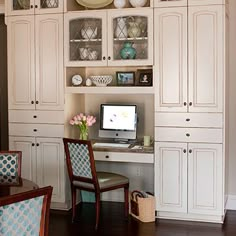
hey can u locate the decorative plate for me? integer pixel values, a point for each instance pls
(94, 3)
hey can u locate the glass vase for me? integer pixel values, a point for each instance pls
(83, 136)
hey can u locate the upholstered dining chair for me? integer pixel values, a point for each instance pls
(83, 175)
(26, 213)
(10, 164)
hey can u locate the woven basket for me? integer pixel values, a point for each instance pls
(142, 208)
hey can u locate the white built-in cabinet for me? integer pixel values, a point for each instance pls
(36, 91)
(190, 119)
(42, 162)
(189, 178)
(35, 56)
(96, 38)
(197, 87)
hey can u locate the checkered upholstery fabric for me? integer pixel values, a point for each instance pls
(9, 164)
(80, 161)
(21, 218)
(5, 179)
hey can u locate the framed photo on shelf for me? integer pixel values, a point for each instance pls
(144, 77)
(125, 78)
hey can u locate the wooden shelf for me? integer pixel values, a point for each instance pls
(110, 90)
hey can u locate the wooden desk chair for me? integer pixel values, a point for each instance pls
(26, 213)
(10, 165)
(83, 175)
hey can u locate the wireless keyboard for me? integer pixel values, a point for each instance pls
(118, 145)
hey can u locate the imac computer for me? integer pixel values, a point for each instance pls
(118, 122)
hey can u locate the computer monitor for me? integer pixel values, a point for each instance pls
(118, 121)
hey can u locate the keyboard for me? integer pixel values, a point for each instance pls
(118, 145)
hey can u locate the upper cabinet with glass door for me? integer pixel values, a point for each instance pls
(109, 38)
(29, 7)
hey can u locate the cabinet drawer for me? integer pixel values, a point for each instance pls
(38, 130)
(210, 120)
(189, 135)
(47, 117)
(124, 157)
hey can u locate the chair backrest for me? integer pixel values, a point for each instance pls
(80, 160)
(10, 163)
(26, 213)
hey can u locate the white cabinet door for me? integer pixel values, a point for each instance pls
(28, 147)
(49, 62)
(50, 166)
(171, 176)
(206, 58)
(170, 27)
(130, 37)
(205, 179)
(21, 62)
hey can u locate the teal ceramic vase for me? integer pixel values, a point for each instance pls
(128, 52)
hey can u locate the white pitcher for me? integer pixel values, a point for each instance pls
(121, 28)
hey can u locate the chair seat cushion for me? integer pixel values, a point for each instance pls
(105, 180)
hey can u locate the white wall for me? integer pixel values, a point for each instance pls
(232, 105)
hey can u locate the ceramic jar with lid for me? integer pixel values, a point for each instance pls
(138, 3)
(128, 51)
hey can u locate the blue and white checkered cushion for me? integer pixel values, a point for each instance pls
(80, 161)
(9, 164)
(21, 218)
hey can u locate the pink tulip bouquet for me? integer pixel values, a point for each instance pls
(83, 122)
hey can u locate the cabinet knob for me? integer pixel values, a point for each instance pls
(107, 156)
(104, 58)
(36, 6)
(34, 116)
(190, 151)
(37, 102)
(184, 151)
(35, 130)
(33, 144)
(109, 58)
(32, 102)
(37, 144)
(31, 6)
(188, 135)
(187, 119)
(185, 103)
(190, 104)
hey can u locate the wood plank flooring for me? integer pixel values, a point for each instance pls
(112, 223)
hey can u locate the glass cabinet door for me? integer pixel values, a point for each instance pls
(24, 7)
(131, 38)
(87, 42)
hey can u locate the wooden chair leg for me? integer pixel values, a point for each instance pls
(97, 196)
(73, 195)
(126, 193)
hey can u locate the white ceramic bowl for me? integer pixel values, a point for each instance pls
(101, 80)
(137, 3)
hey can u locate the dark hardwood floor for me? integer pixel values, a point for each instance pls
(112, 223)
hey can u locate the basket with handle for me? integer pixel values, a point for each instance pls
(142, 206)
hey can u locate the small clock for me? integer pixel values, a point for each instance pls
(76, 80)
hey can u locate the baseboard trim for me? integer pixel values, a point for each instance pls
(231, 203)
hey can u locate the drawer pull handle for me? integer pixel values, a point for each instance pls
(188, 135)
(35, 116)
(184, 150)
(107, 156)
(190, 151)
(187, 119)
(35, 130)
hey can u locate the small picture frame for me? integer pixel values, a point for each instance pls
(144, 77)
(125, 78)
